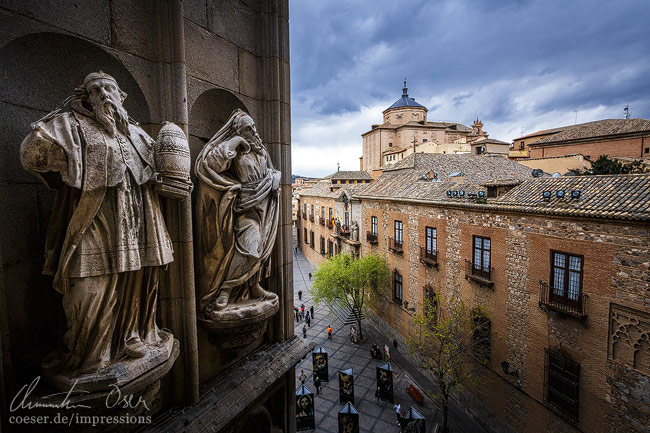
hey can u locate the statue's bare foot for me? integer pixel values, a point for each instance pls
(135, 348)
(257, 292)
(221, 302)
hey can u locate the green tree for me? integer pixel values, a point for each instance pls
(448, 343)
(353, 283)
(606, 165)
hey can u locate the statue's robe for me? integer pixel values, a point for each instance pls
(106, 236)
(238, 211)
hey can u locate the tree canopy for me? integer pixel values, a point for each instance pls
(606, 165)
(352, 282)
(449, 341)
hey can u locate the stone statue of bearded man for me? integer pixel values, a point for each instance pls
(107, 236)
(237, 207)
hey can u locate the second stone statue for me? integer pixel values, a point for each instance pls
(237, 211)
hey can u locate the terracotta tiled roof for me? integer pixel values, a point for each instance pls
(405, 181)
(625, 196)
(323, 188)
(542, 132)
(354, 175)
(599, 128)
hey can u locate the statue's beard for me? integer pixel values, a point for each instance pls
(256, 144)
(112, 116)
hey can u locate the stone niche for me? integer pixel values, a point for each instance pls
(629, 337)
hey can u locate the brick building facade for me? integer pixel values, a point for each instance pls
(628, 138)
(578, 355)
(327, 215)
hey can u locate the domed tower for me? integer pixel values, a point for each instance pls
(405, 110)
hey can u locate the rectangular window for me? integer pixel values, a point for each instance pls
(562, 385)
(306, 238)
(331, 215)
(322, 245)
(481, 254)
(311, 239)
(431, 241)
(397, 286)
(312, 211)
(330, 248)
(322, 212)
(424, 140)
(521, 145)
(566, 277)
(305, 209)
(373, 225)
(347, 219)
(398, 232)
(481, 335)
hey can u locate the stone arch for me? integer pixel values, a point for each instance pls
(210, 112)
(38, 72)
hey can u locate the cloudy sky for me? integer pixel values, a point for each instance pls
(516, 65)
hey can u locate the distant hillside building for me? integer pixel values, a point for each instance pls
(405, 129)
(613, 137)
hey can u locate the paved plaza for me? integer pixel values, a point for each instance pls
(344, 354)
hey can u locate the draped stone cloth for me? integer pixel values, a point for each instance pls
(238, 214)
(106, 236)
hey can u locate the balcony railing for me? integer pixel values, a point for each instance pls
(480, 274)
(371, 237)
(322, 221)
(428, 257)
(311, 218)
(304, 216)
(344, 231)
(551, 299)
(395, 245)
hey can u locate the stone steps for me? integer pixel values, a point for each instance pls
(344, 313)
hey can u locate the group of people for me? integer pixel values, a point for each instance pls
(375, 353)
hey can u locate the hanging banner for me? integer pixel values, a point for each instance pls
(305, 419)
(346, 386)
(319, 364)
(385, 382)
(349, 419)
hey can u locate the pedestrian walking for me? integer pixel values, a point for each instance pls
(378, 395)
(310, 276)
(295, 249)
(304, 331)
(317, 385)
(398, 412)
(302, 311)
(329, 331)
(311, 310)
(302, 377)
(300, 295)
(308, 319)
(295, 311)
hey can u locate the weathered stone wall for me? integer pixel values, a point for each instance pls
(616, 257)
(189, 62)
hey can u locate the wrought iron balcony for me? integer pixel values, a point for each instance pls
(322, 221)
(304, 216)
(557, 300)
(371, 237)
(311, 218)
(428, 257)
(395, 245)
(480, 274)
(344, 231)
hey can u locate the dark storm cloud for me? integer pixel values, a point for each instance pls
(509, 62)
